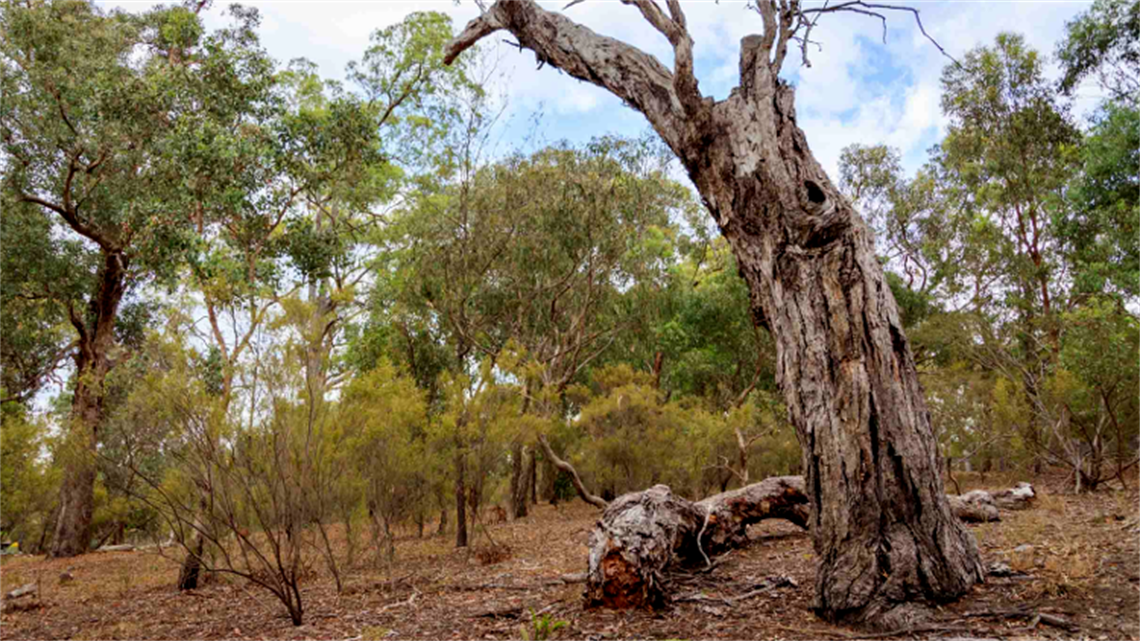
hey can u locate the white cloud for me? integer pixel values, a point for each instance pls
(857, 89)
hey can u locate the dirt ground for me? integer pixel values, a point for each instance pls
(1081, 579)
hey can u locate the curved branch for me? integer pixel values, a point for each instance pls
(592, 499)
(636, 77)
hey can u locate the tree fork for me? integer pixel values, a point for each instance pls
(880, 522)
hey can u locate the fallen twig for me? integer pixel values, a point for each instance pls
(504, 613)
(768, 586)
(815, 632)
(1027, 613)
(398, 604)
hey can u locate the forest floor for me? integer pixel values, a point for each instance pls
(1083, 571)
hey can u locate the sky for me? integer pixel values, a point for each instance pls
(857, 90)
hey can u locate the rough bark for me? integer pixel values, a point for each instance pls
(881, 525)
(92, 363)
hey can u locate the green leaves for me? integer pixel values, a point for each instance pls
(1104, 41)
(1099, 235)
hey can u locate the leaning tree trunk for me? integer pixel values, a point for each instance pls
(92, 363)
(881, 525)
(882, 529)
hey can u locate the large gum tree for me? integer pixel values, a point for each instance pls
(882, 528)
(111, 124)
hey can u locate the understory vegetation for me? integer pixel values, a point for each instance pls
(267, 321)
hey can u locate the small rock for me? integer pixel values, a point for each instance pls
(1024, 549)
(66, 577)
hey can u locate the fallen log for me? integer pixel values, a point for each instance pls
(22, 591)
(125, 547)
(639, 536)
(642, 535)
(1019, 497)
(974, 507)
(730, 513)
(980, 506)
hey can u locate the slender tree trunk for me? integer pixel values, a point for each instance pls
(460, 501)
(192, 564)
(576, 480)
(532, 476)
(549, 478)
(519, 484)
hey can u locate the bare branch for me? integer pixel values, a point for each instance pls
(592, 499)
(868, 9)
